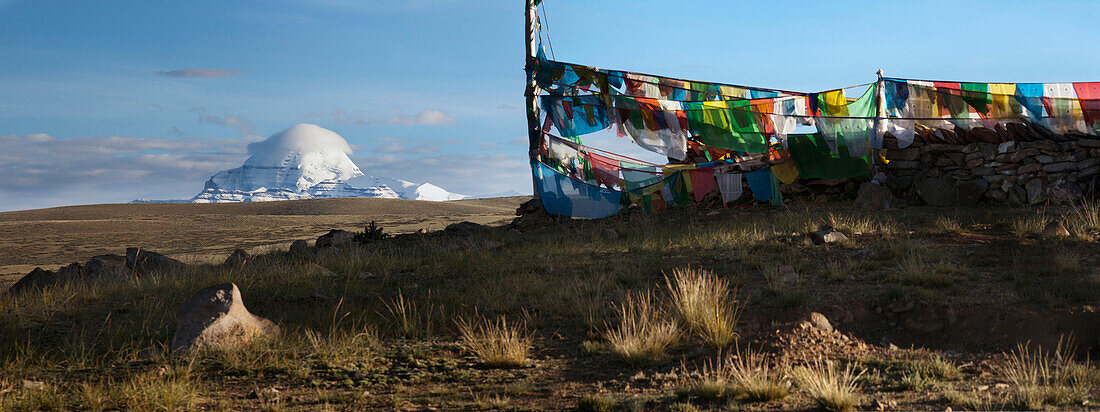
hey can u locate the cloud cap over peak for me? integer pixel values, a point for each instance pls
(200, 73)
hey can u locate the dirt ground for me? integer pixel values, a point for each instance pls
(204, 233)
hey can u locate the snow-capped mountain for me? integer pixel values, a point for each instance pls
(306, 162)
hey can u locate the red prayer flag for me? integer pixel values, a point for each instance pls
(1089, 96)
(702, 182)
(606, 170)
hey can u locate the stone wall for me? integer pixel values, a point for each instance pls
(1013, 172)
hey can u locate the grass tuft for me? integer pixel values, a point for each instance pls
(704, 303)
(498, 344)
(1040, 378)
(752, 374)
(644, 331)
(410, 321)
(830, 388)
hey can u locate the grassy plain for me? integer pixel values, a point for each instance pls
(207, 233)
(929, 307)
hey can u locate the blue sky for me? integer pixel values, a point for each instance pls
(98, 102)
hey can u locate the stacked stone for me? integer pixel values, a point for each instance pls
(1014, 172)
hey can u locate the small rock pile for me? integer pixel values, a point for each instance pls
(1013, 172)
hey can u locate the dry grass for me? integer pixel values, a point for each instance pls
(498, 344)
(1040, 378)
(947, 226)
(1083, 220)
(972, 401)
(705, 303)
(830, 387)
(644, 331)
(753, 376)
(711, 382)
(409, 320)
(1065, 261)
(1030, 224)
(861, 224)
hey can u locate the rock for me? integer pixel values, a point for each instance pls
(874, 197)
(903, 154)
(1087, 163)
(936, 191)
(531, 206)
(1034, 188)
(821, 322)
(238, 258)
(982, 171)
(106, 266)
(1089, 143)
(216, 316)
(145, 261)
(334, 238)
(969, 192)
(1065, 192)
(1028, 169)
(827, 235)
(1060, 167)
(609, 234)
(315, 269)
(903, 165)
(38, 279)
(300, 247)
(29, 385)
(1055, 229)
(1006, 147)
(466, 227)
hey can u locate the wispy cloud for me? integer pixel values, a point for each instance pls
(363, 118)
(200, 73)
(244, 126)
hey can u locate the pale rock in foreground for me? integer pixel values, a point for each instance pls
(216, 316)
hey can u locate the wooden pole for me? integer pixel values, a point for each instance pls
(880, 114)
(534, 133)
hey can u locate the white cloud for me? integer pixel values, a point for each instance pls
(200, 73)
(40, 170)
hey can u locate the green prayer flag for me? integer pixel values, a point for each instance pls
(977, 95)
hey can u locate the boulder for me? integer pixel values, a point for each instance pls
(335, 237)
(936, 191)
(216, 316)
(821, 322)
(238, 258)
(106, 266)
(1055, 229)
(144, 261)
(300, 247)
(1034, 188)
(38, 278)
(827, 235)
(610, 234)
(466, 227)
(531, 206)
(872, 196)
(969, 192)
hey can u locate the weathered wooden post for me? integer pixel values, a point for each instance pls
(534, 132)
(880, 119)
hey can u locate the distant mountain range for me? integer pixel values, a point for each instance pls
(305, 162)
